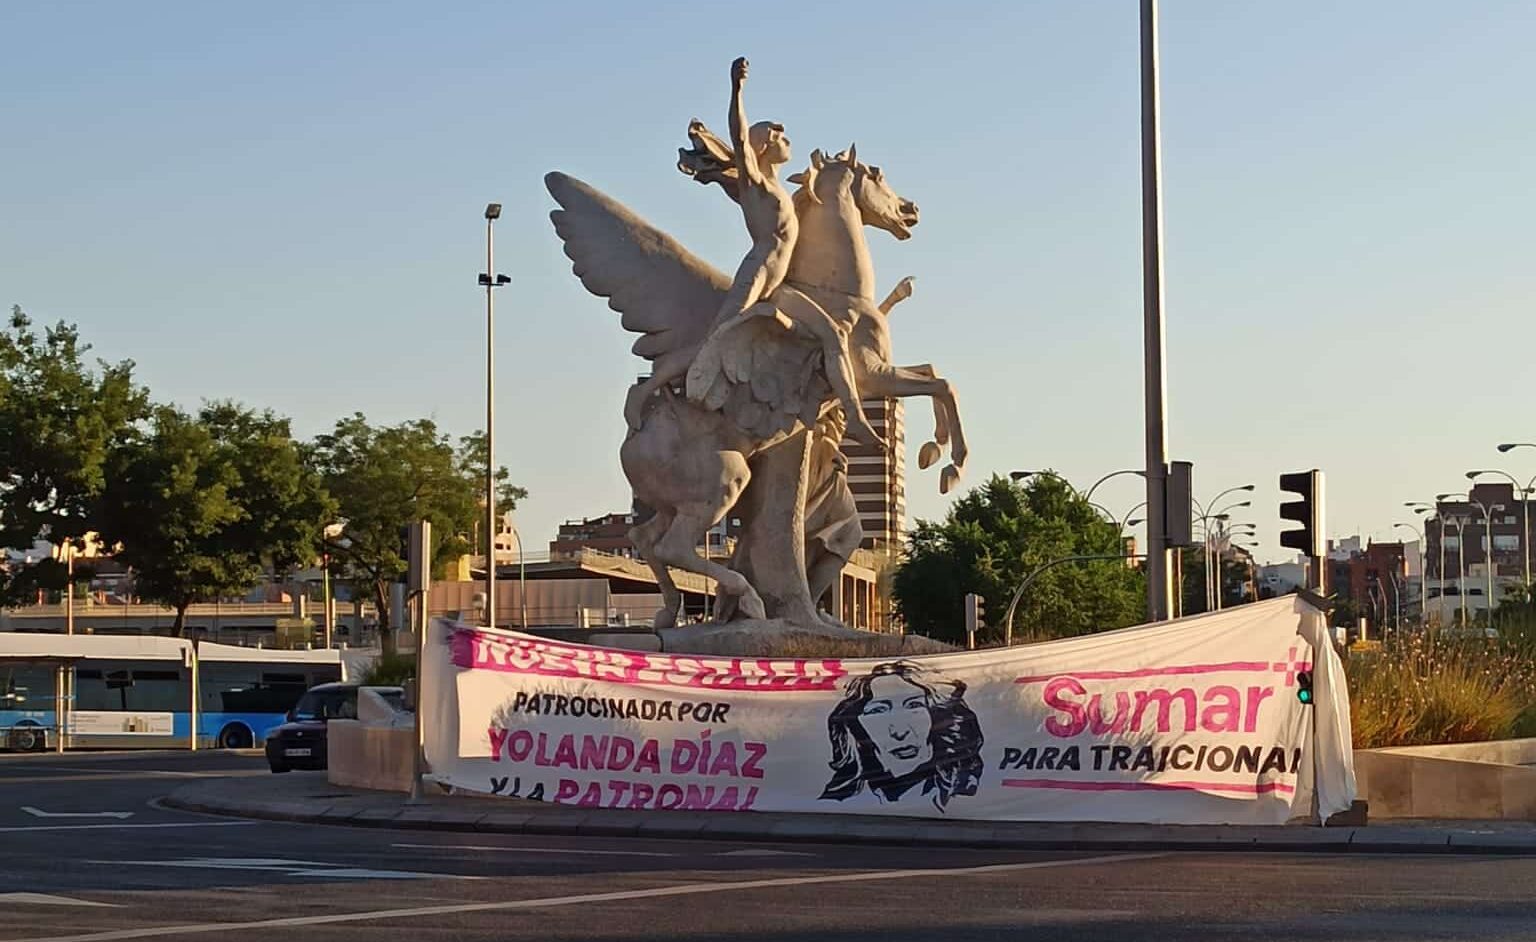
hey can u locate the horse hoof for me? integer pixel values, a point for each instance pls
(948, 478)
(928, 455)
(664, 619)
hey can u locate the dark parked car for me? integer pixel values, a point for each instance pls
(299, 743)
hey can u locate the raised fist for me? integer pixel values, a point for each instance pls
(739, 70)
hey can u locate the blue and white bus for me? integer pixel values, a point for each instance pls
(120, 691)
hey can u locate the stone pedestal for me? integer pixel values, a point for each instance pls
(777, 637)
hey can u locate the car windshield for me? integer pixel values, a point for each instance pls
(326, 705)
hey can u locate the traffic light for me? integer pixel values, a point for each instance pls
(1180, 507)
(1304, 687)
(418, 557)
(975, 616)
(1308, 511)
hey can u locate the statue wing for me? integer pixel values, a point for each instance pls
(770, 378)
(664, 292)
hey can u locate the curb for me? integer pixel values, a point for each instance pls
(960, 834)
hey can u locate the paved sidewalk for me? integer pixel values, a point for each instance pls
(308, 797)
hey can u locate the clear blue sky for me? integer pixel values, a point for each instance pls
(281, 203)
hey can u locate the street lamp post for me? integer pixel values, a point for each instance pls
(69, 588)
(1397, 601)
(1524, 493)
(1208, 513)
(522, 577)
(1084, 496)
(1421, 508)
(1488, 563)
(1253, 570)
(1108, 514)
(1112, 474)
(490, 281)
(1128, 520)
(1487, 549)
(1021, 475)
(331, 531)
(1224, 534)
(1155, 382)
(1423, 589)
(1013, 603)
(1461, 564)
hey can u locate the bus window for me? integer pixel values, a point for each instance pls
(91, 691)
(119, 685)
(247, 688)
(152, 690)
(26, 688)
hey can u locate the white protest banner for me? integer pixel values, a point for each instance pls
(1192, 721)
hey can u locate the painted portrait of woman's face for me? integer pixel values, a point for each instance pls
(903, 731)
(897, 722)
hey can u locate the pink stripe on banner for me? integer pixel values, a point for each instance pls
(1230, 666)
(519, 654)
(1238, 788)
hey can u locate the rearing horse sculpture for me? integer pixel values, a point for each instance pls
(692, 462)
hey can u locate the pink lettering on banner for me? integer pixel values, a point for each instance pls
(667, 796)
(1239, 788)
(1200, 705)
(477, 650)
(1219, 708)
(613, 753)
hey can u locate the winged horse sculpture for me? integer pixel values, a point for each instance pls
(754, 438)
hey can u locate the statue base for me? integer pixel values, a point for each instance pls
(776, 637)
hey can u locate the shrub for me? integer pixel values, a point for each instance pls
(1421, 690)
(390, 670)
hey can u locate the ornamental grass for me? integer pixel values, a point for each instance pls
(1423, 689)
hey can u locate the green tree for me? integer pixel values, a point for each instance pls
(203, 505)
(60, 419)
(472, 457)
(385, 477)
(995, 536)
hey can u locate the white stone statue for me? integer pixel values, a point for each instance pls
(756, 378)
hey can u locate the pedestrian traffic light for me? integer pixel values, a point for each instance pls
(1308, 511)
(1304, 687)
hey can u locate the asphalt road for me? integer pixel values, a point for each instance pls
(95, 859)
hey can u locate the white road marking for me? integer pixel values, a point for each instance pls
(39, 813)
(114, 827)
(57, 774)
(684, 889)
(763, 852)
(292, 868)
(538, 850)
(43, 899)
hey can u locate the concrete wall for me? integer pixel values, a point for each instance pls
(1488, 781)
(1499, 752)
(377, 757)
